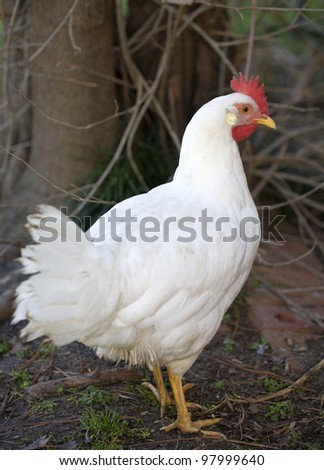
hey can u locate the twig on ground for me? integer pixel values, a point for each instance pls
(98, 378)
(286, 391)
(239, 365)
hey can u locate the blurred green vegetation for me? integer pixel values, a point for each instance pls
(276, 21)
(155, 162)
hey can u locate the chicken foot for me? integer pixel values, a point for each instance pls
(183, 421)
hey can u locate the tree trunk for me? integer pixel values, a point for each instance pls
(71, 63)
(14, 111)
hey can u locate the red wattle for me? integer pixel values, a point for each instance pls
(240, 133)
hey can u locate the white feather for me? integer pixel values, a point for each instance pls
(155, 302)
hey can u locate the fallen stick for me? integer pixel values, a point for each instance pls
(286, 391)
(98, 377)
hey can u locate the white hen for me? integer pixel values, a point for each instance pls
(151, 280)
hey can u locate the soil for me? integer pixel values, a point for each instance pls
(237, 378)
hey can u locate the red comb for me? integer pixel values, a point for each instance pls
(252, 89)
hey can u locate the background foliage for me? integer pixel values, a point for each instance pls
(168, 58)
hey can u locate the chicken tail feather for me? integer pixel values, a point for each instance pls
(59, 296)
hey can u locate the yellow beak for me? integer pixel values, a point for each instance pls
(266, 121)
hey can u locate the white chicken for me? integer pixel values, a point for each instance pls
(151, 280)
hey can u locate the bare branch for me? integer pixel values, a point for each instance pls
(58, 188)
(286, 391)
(74, 126)
(98, 378)
(261, 260)
(251, 40)
(71, 36)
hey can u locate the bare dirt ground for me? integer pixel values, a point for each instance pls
(238, 378)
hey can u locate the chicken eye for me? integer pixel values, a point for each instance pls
(245, 109)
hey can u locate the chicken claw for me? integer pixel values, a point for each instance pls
(183, 421)
(189, 427)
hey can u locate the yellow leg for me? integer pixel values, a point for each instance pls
(161, 393)
(183, 421)
(164, 397)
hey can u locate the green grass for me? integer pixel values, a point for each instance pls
(260, 345)
(294, 438)
(272, 385)
(25, 353)
(44, 406)
(219, 385)
(47, 349)
(93, 396)
(280, 410)
(22, 377)
(5, 347)
(228, 345)
(144, 393)
(103, 428)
